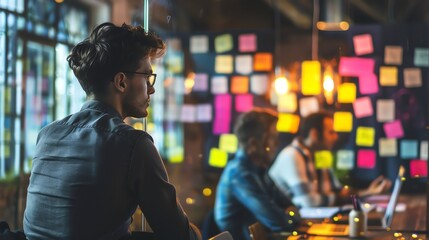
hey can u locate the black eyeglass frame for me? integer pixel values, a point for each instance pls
(149, 76)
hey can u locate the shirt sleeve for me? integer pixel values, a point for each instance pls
(156, 196)
(251, 192)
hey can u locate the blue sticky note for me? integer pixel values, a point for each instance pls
(409, 148)
(421, 57)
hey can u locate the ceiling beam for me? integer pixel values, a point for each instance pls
(371, 10)
(290, 11)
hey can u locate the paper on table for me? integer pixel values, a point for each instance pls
(393, 55)
(387, 147)
(363, 44)
(366, 158)
(224, 64)
(219, 84)
(412, 77)
(362, 107)
(199, 44)
(239, 84)
(311, 78)
(345, 159)
(243, 64)
(318, 212)
(385, 110)
(243, 102)
(223, 43)
(259, 84)
(408, 148)
(247, 43)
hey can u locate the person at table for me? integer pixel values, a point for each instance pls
(90, 169)
(243, 194)
(294, 172)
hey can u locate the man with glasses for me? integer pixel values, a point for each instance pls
(91, 170)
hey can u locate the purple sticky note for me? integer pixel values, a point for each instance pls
(222, 113)
(243, 102)
(366, 158)
(247, 43)
(363, 107)
(393, 129)
(418, 168)
(355, 66)
(368, 83)
(200, 82)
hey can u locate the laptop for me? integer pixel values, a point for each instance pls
(338, 228)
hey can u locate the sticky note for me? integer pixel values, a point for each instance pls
(201, 83)
(175, 154)
(355, 66)
(343, 121)
(387, 147)
(218, 158)
(174, 62)
(363, 44)
(204, 112)
(228, 143)
(424, 150)
(188, 113)
(418, 168)
(287, 102)
(172, 113)
(224, 64)
(366, 158)
(365, 136)
(222, 121)
(345, 159)
(393, 129)
(223, 43)
(259, 84)
(263, 62)
(174, 44)
(421, 57)
(368, 83)
(219, 84)
(244, 64)
(239, 84)
(388, 76)
(199, 44)
(385, 110)
(412, 77)
(308, 105)
(409, 148)
(243, 102)
(347, 93)
(323, 159)
(247, 43)
(393, 55)
(179, 85)
(311, 78)
(362, 107)
(288, 123)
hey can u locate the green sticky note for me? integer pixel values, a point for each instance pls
(175, 154)
(228, 143)
(343, 121)
(218, 158)
(365, 136)
(323, 159)
(223, 43)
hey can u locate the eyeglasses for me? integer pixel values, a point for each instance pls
(151, 77)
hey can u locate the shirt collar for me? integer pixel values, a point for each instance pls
(101, 106)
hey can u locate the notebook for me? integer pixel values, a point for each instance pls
(341, 229)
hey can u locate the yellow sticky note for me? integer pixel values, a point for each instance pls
(310, 78)
(288, 123)
(223, 43)
(218, 158)
(287, 102)
(343, 121)
(388, 76)
(347, 93)
(239, 84)
(228, 143)
(323, 159)
(175, 154)
(365, 136)
(263, 62)
(170, 139)
(224, 64)
(6, 150)
(175, 63)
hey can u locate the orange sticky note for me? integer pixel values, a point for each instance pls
(310, 78)
(365, 136)
(388, 76)
(218, 158)
(288, 123)
(343, 121)
(323, 159)
(347, 93)
(263, 62)
(239, 84)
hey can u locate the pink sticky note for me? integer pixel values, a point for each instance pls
(222, 119)
(363, 44)
(368, 83)
(393, 129)
(243, 102)
(354, 66)
(418, 168)
(363, 107)
(200, 82)
(247, 43)
(366, 158)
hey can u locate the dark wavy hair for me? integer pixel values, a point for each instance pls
(314, 120)
(110, 49)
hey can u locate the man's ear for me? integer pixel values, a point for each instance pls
(120, 82)
(251, 145)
